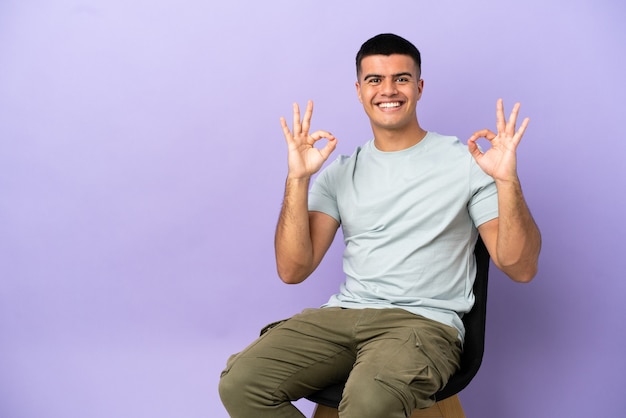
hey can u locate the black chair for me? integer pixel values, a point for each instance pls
(471, 358)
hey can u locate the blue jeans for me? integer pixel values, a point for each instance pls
(393, 360)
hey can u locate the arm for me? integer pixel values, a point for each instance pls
(513, 239)
(302, 237)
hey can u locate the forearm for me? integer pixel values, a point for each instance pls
(519, 240)
(292, 242)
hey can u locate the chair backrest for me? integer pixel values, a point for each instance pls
(474, 321)
(473, 349)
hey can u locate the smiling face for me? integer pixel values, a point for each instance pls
(389, 88)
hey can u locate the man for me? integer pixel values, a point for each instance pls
(411, 204)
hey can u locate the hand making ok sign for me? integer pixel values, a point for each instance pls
(304, 159)
(500, 161)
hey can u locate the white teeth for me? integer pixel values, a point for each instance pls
(389, 105)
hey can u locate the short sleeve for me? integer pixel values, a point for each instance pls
(323, 193)
(483, 204)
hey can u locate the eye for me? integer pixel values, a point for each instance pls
(402, 80)
(373, 80)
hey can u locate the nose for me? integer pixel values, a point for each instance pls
(388, 87)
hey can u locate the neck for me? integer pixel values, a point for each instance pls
(396, 140)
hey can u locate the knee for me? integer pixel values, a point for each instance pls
(235, 384)
(243, 387)
(370, 397)
(229, 389)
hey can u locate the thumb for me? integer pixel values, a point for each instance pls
(330, 146)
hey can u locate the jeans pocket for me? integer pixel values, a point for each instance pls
(271, 326)
(444, 354)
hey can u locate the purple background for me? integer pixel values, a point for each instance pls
(141, 174)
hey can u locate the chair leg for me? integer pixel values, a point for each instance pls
(432, 412)
(322, 411)
(448, 408)
(451, 407)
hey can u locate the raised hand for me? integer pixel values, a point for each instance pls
(304, 159)
(500, 161)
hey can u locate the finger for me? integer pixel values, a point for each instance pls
(286, 131)
(317, 135)
(329, 147)
(500, 121)
(306, 122)
(522, 128)
(473, 148)
(297, 127)
(330, 144)
(283, 124)
(483, 133)
(510, 126)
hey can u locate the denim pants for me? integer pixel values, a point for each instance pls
(394, 361)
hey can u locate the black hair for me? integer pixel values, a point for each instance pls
(387, 44)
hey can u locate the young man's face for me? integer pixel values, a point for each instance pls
(389, 88)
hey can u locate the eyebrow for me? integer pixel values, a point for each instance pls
(382, 76)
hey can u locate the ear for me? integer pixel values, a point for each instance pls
(420, 88)
(358, 91)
